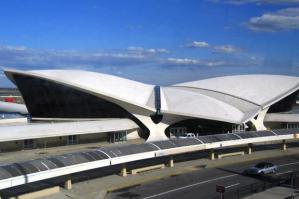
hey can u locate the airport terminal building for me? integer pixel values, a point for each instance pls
(114, 104)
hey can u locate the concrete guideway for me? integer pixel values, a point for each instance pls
(109, 156)
(96, 188)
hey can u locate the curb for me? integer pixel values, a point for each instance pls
(192, 168)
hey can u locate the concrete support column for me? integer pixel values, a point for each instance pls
(212, 154)
(249, 151)
(68, 183)
(284, 145)
(170, 163)
(157, 131)
(259, 121)
(123, 171)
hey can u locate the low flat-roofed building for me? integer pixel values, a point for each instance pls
(42, 135)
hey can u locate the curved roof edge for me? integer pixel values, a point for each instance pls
(268, 89)
(263, 90)
(76, 85)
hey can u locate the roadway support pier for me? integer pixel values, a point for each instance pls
(170, 163)
(284, 145)
(123, 171)
(249, 150)
(212, 154)
(68, 183)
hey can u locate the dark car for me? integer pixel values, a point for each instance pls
(261, 168)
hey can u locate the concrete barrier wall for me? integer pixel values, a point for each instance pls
(19, 180)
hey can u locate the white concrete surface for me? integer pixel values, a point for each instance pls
(13, 108)
(258, 89)
(46, 130)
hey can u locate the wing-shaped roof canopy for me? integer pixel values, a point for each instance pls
(115, 87)
(262, 90)
(234, 99)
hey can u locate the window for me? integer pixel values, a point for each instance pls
(120, 136)
(292, 125)
(28, 144)
(72, 139)
(238, 128)
(178, 131)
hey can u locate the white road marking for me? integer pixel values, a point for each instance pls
(191, 185)
(287, 164)
(211, 180)
(233, 185)
(284, 172)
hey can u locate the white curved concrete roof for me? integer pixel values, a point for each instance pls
(108, 85)
(234, 99)
(194, 104)
(262, 90)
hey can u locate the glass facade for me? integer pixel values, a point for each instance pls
(286, 104)
(72, 139)
(47, 99)
(200, 127)
(119, 136)
(178, 131)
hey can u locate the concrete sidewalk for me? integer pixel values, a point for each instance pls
(97, 188)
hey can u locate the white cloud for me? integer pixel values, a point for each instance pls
(219, 49)
(135, 48)
(162, 50)
(137, 57)
(183, 61)
(22, 57)
(282, 20)
(18, 48)
(147, 50)
(258, 2)
(216, 63)
(198, 44)
(226, 49)
(195, 62)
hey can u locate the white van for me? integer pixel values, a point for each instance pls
(188, 135)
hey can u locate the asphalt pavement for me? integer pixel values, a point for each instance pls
(202, 183)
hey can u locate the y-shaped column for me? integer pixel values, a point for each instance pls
(157, 131)
(259, 121)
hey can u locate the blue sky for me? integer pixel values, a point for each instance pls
(152, 41)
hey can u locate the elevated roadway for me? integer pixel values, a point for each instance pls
(202, 183)
(20, 173)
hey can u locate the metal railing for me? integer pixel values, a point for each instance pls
(290, 180)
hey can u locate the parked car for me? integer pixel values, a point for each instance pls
(261, 168)
(188, 135)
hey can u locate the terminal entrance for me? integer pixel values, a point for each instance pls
(238, 128)
(72, 139)
(198, 127)
(178, 131)
(119, 136)
(28, 144)
(292, 125)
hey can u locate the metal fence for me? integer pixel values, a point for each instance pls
(290, 180)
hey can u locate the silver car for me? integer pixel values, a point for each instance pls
(261, 168)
